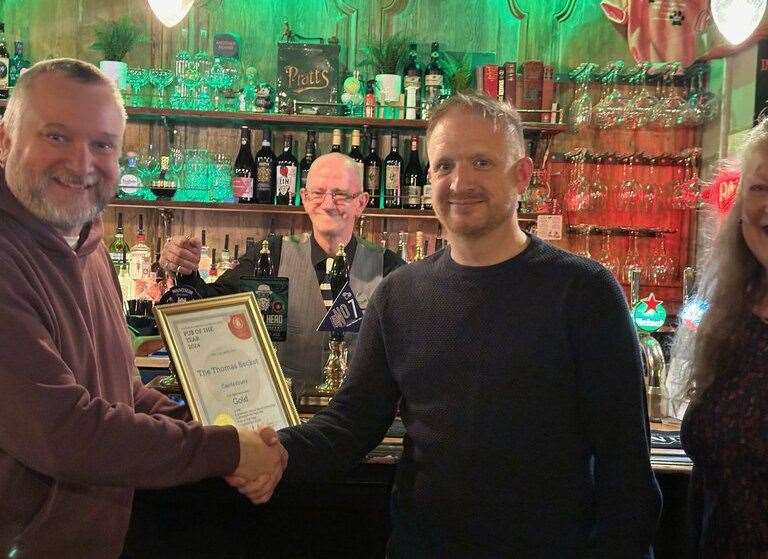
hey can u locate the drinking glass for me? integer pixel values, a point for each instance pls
(584, 231)
(632, 261)
(672, 110)
(137, 78)
(539, 197)
(648, 193)
(606, 257)
(705, 102)
(577, 196)
(217, 79)
(628, 190)
(580, 110)
(642, 104)
(660, 268)
(598, 189)
(161, 78)
(221, 179)
(196, 176)
(176, 164)
(685, 190)
(148, 165)
(611, 110)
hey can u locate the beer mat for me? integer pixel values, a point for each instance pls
(665, 439)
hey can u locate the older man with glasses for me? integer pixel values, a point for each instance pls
(333, 200)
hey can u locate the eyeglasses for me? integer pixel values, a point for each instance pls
(338, 197)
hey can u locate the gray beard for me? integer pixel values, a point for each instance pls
(62, 218)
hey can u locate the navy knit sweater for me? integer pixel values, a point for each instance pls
(520, 387)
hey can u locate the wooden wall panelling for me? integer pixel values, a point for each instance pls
(260, 24)
(489, 26)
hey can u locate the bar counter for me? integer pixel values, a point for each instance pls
(343, 517)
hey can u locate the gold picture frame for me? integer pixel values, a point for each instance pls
(226, 362)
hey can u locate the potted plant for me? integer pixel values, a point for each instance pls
(385, 59)
(458, 73)
(114, 39)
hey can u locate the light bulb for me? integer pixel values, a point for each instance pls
(170, 12)
(737, 19)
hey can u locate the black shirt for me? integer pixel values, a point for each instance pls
(229, 282)
(521, 390)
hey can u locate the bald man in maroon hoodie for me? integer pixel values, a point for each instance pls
(78, 431)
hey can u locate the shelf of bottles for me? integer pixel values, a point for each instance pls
(383, 213)
(211, 118)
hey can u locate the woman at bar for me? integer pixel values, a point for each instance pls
(725, 429)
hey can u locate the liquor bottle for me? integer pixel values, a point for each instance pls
(426, 192)
(418, 250)
(412, 76)
(117, 244)
(372, 174)
(402, 245)
(124, 277)
(4, 64)
(236, 258)
(140, 256)
(287, 168)
(336, 141)
(413, 178)
(205, 258)
(433, 76)
(354, 151)
(370, 100)
(130, 183)
(339, 274)
(17, 63)
(440, 241)
(160, 276)
(225, 262)
(264, 265)
(242, 176)
(265, 171)
(306, 162)
(356, 154)
(213, 272)
(393, 175)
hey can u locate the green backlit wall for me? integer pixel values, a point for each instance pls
(552, 30)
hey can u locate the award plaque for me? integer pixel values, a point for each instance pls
(226, 363)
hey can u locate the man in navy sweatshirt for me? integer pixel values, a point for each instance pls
(517, 373)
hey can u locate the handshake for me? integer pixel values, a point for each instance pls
(262, 463)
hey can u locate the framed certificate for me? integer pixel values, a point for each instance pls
(226, 363)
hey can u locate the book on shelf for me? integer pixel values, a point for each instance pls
(510, 83)
(547, 92)
(491, 80)
(533, 77)
(500, 90)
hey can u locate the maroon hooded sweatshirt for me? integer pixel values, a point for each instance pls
(78, 431)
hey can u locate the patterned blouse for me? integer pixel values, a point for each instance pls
(726, 436)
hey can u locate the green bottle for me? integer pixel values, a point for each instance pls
(118, 244)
